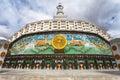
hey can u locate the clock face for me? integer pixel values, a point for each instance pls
(59, 42)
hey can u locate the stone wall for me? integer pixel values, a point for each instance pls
(115, 45)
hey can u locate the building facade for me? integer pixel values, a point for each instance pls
(60, 43)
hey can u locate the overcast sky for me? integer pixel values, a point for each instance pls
(14, 14)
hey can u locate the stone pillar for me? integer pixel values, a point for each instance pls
(111, 64)
(53, 64)
(64, 63)
(115, 45)
(33, 64)
(104, 64)
(24, 63)
(86, 64)
(42, 64)
(76, 64)
(96, 65)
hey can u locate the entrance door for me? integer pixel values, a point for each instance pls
(70, 66)
(12, 65)
(100, 65)
(37, 66)
(81, 66)
(19, 65)
(59, 66)
(92, 66)
(48, 64)
(108, 66)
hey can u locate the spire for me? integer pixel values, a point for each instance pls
(60, 10)
(60, 13)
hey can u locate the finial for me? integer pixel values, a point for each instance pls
(60, 10)
(60, 14)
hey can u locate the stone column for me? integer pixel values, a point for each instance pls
(104, 64)
(64, 63)
(86, 64)
(111, 64)
(42, 64)
(76, 64)
(53, 64)
(96, 64)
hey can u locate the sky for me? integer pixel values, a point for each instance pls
(15, 14)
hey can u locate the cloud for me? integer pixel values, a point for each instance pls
(16, 13)
(28, 15)
(8, 13)
(5, 31)
(115, 33)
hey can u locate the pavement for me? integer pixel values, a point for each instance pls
(32, 74)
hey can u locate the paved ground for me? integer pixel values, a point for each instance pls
(9, 74)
